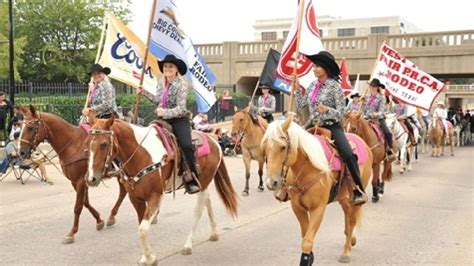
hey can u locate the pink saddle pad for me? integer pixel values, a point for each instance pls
(379, 132)
(335, 161)
(166, 141)
(204, 149)
(86, 127)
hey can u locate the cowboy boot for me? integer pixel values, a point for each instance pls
(359, 197)
(192, 184)
(375, 194)
(306, 259)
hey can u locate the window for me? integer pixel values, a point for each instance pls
(269, 36)
(346, 32)
(377, 30)
(285, 34)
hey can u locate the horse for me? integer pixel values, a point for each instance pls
(296, 161)
(406, 150)
(355, 123)
(423, 131)
(253, 130)
(460, 125)
(146, 166)
(437, 137)
(69, 143)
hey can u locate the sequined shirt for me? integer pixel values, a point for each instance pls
(374, 104)
(330, 95)
(103, 98)
(176, 100)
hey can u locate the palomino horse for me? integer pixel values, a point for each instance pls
(296, 161)
(140, 153)
(253, 130)
(355, 123)
(406, 150)
(69, 143)
(437, 136)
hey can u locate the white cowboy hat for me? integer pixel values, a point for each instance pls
(440, 103)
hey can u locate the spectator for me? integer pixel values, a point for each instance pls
(225, 103)
(201, 123)
(224, 141)
(16, 128)
(17, 116)
(5, 108)
(13, 158)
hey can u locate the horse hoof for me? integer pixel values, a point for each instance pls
(110, 221)
(344, 259)
(375, 200)
(214, 237)
(100, 226)
(186, 251)
(155, 220)
(68, 240)
(353, 241)
(452, 155)
(260, 189)
(245, 193)
(143, 262)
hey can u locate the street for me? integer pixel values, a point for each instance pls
(426, 217)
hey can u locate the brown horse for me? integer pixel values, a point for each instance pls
(253, 131)
(355, 123)
(146, 167)
(437, 136)
(69, 143)
(296, 161)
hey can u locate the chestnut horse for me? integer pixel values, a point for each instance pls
(138, 148)
(296, 161)
(355, 123)
(69, 143)
(437, 135)
(253, 131)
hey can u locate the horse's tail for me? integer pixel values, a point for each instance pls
(225, 189)
(387, 174)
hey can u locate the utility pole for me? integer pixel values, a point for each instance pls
(12, 67)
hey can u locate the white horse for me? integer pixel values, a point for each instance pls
(406, 151)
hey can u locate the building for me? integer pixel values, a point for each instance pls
(331, 27)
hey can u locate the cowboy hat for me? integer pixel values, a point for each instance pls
(440, 103)
(326, 61)
(99, 68)
(355, 95)
(264, 87)
(182, 68)
(376, 83)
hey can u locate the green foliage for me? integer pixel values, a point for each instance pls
(19, 44)
(62, 37)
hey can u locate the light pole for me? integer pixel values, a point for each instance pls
(12, 68)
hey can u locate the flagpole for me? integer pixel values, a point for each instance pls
(370, 78)
(294, 82)
(101, 43)
(254, 91)
(150, 24)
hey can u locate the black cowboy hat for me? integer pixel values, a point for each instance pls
(263, 86)
(182, 68)
(355, 95)
(326, 61)
(99, 68)
(376, 82)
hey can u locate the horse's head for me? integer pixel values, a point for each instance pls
(352, 122)
(279, 151)
(240, 120)
(101, 149)
(33, 131)
(391, 120)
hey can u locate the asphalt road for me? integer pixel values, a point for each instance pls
(426, 217)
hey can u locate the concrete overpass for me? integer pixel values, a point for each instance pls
(445, 55)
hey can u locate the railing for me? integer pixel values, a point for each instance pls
(431, 39)
(256, 48)
(210, 49)
(463, 88)
(346, 43)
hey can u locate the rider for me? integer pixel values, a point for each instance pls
(266, 104)
(170, 98)
(401, 110)
(326, 105)
(101, 94)
(375, 108)
(440, 112)
(355, 104)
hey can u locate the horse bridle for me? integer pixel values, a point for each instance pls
(36, 126)
(110, 144)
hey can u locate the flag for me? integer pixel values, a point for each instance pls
(268, 76)
(404, 80)
(346, 82)
(167, 37)
(310, 43)
(123, 53)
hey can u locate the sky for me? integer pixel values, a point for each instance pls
(215, 21)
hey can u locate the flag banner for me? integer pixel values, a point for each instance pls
(123, 52)
(404, 80)
(310, 43)
(345, 81)
(268, 76)
(167, 37)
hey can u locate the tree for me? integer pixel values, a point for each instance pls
(62, 36)
(4, 45)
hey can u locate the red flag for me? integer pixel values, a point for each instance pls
(346, 82)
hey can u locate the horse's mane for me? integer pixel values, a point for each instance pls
(301, 139)
(54, 116)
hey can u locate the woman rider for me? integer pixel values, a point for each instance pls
(102, 94)
(171, 93)
(326, 105)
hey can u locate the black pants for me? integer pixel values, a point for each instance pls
(182, 131)
(268, 117)
(345, 151)
(409, 127)
(386, 132)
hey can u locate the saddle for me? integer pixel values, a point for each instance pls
(378, 131)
